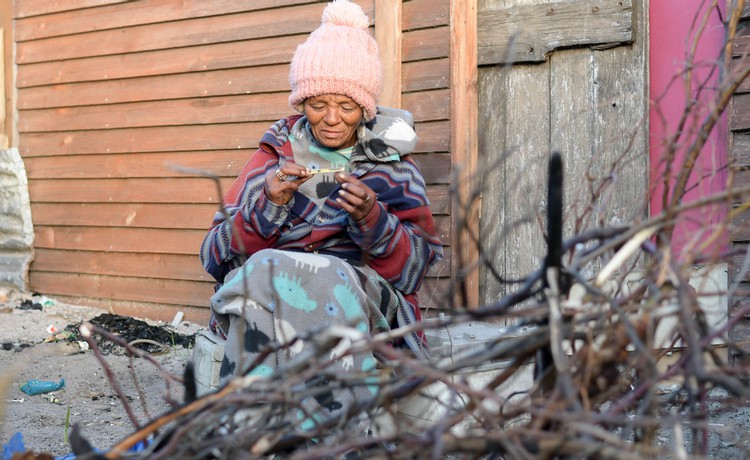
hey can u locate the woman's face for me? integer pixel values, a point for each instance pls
(334, 119)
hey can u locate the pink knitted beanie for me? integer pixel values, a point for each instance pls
(339, 57)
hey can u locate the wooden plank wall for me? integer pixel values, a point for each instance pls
(739, 137)
(113, 92)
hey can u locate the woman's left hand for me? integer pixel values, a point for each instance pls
(355, 197)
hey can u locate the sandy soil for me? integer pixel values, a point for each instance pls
(87, 398)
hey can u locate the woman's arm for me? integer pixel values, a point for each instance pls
(250, 222)
(399, 231)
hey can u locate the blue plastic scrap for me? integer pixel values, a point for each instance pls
(15, 445)
(36, 387)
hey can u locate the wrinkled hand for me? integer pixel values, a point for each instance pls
(355, 197)
(278, 188)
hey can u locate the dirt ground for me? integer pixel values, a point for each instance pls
(28, 351)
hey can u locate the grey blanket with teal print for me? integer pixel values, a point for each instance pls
(279, 297)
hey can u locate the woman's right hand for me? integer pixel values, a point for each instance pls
(279, 188)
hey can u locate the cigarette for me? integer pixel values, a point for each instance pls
(326, 170)
(290, 177)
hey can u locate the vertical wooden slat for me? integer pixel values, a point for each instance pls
(463, 55)
(573, 134)
(3, 115)
(389, 37)
(6, 75)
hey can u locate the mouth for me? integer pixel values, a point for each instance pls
(330, 133)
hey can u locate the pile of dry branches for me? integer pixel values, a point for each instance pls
(608, 390)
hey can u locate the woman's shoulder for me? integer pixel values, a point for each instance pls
(389, 113)
(389, 136)
(278, 134)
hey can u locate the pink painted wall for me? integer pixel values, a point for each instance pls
(674, 27)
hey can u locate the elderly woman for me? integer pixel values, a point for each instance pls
(328, 223)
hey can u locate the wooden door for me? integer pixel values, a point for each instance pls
(568, 76)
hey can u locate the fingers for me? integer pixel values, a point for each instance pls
(355, 197)
(353, 194)
(354, 188)
(291, 172)
(282, 182)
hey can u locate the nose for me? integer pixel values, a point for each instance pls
(332, 116)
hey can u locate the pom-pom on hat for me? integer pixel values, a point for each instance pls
(339, 57)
